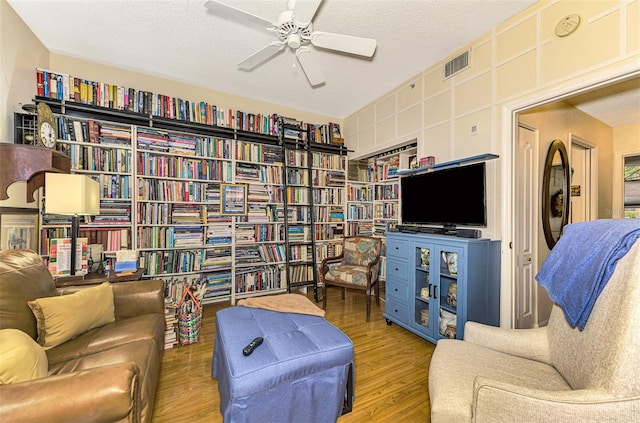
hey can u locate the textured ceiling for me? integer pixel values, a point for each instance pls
(180, 40)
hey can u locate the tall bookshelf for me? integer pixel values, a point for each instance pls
(169, 179)
(329, 197)
(181, 235)
(102, 151)
(373, 193)
(259, 254)
(298, 206)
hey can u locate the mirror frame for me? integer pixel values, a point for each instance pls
(557, 146)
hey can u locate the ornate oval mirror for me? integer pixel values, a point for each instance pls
(555, 192)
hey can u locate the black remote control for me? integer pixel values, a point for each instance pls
(252, 346)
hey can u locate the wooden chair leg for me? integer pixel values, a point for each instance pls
(344, 290)
(377, 291)
(324, 296)
(368, 304)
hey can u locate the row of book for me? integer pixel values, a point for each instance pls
(326, 232)
(178, 143)
(61, 86)
(251, 172)
(386, 192)
(328, 178)
(385, 210)
(258, 279)
(261, 153)
(297, 158)
(328, 161)
(297, 176)
(333, 196)
(359, 193)
(183, 167)
(360, 228)
(98, 159)
(359, 212)
(300, 273)
(171, 261)
(163, 190)
(256, 233)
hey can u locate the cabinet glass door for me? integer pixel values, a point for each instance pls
(447, 292)
(424, 289)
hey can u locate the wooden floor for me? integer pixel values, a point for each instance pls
(391, 369)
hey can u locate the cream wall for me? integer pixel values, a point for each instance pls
(518, 64)
(21, 53)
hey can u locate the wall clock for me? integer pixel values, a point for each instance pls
(46, 126)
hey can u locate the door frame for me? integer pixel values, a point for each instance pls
(508, 143)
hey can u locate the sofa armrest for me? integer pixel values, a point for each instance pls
(109, 393)
(138, 297)
(495, 401)
(527, 343)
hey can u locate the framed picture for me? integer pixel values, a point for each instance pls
(19, 230)
(233, 200)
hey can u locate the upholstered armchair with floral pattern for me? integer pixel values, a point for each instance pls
(357, 267)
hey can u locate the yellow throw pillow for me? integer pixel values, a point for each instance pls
(67, 316)
(21, 358)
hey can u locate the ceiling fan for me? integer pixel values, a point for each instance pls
(294, 29)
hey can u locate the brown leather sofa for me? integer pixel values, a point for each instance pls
(106, 374)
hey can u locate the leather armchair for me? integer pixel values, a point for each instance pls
(555, 373)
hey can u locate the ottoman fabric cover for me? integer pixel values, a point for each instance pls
(299, 373)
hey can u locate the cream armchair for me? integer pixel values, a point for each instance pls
(555, 373)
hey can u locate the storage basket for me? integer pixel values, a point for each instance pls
(189, 318)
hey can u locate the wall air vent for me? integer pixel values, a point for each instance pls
(457, 64)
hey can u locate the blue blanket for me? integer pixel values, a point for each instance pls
(581, 263)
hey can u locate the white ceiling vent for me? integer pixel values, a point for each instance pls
(457, 64)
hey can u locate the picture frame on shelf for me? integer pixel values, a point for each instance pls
(19, 230)
(233, 200)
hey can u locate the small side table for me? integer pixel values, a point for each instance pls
(98, 278)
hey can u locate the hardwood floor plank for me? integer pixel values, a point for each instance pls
(391, 369)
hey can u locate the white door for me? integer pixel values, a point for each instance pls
(526, 224)
(583, 180)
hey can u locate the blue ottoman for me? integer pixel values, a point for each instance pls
(302, 372)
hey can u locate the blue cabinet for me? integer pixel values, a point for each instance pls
(435, 283)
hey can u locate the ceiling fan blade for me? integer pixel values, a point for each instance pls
(224, 10)
(304, 10)
(310, 66)
(261, 56)
(344, 43)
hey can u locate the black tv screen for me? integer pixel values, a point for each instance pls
(449, 197)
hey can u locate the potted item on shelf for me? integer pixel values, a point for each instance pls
(452, 294)
(424, 317)
(447, 324)
(424, 258)
(451, 261)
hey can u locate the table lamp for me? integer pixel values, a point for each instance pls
(71, 195)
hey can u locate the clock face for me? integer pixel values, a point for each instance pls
(47, 135)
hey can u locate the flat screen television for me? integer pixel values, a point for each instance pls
(449, 197)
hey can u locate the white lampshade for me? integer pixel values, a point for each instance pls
(71, 194)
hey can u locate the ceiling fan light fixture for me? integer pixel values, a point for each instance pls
(294, 41)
